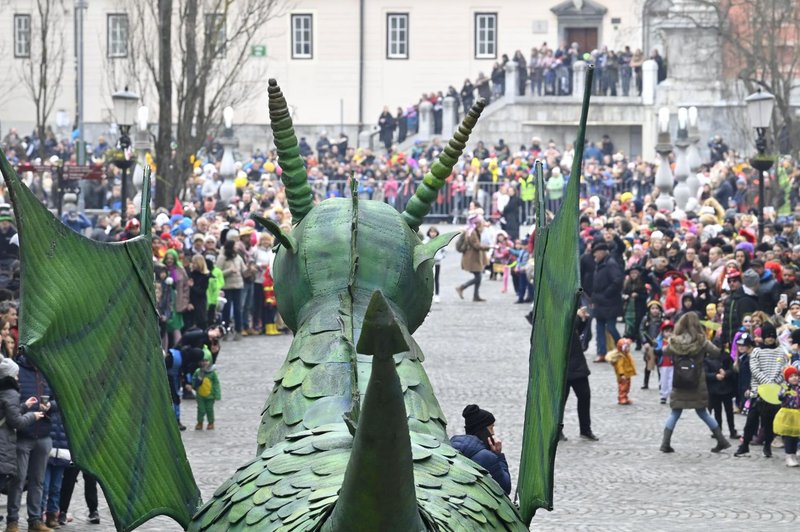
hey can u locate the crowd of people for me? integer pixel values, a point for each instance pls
(545, 72)
(713, 310)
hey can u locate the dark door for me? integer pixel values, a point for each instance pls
(585, 37)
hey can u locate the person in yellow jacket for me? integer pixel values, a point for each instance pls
(624, 368)
(527, 193)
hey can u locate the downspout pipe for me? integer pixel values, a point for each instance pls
(361, 9)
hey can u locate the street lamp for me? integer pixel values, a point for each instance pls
(125, 104)
(141, 143)
(759, 109)
(227, 166)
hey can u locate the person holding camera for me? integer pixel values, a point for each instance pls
(192, 346)
(33, 448)
(481, 445)
(13, 420)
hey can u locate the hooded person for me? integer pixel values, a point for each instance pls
(482, 446)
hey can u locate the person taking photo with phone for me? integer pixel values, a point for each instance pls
(481, 445)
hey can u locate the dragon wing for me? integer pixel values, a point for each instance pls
(88, 322)
(557, 288)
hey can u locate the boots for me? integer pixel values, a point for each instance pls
(37, 526)
(722, 441)
(272, 329)
(665, 442)
(743, 450)
(646, 384)
(791, 460)
(210, 426)
(12, 526)
(199, 426)
(51, 520)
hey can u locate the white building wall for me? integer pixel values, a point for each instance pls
(325, 89)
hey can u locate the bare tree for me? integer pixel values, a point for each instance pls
(42, 71)
(199, 63)
(760, 48)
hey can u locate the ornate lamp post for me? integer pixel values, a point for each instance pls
(682, 192)
(664, 179)
(759, 109)
(141, 144)
(226, 169)
(125, 103)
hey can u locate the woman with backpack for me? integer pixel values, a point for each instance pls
(688, 347)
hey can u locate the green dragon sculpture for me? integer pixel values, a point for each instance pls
(352, 437)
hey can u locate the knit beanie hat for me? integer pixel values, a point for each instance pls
(8, 368)
(788, 371)
(750, 279)
(476, 419)
(768, 331)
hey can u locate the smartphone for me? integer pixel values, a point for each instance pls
(784, 299)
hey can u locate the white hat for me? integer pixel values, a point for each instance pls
(656, 234)
(162, 219)
(8, 368)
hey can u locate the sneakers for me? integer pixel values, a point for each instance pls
(478, 300)
(436, 299)
(237, 337)
(589, 436)
(62, 519)
(12, 526)
(94, 518)
(210, 426)
(181, 427)
(38, 526)
(199, 426)
(791, 460)
(460, 291)
(767, 450)
(663, 400)
(743, 450)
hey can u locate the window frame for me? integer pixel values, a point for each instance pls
(294, 42)
(406, 43)
(22, 16)
(109, 40)
(477, 30)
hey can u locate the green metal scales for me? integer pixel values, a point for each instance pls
(352, 437)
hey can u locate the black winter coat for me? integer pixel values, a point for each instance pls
(577, 367)
(33, 384)
(725, 387)
(737, 307)
(607, 289)
(10, 410)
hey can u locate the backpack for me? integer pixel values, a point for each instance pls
(686, 375)
(461, 243)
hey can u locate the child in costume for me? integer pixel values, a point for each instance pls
(665, 369)
(501, 256)
(787, 420)
(207, 390)
(649, 330)
(624, 368)
(270, 304)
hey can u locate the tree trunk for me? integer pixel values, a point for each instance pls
(166, 175)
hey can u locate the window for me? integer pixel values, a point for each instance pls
(215, 33)
(302, 37)
(117, 35)
(485, 35)
(22, 35)
(397, 36)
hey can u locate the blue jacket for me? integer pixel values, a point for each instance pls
(477, 451)
(33, 384)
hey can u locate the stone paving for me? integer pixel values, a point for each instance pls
(477, 352)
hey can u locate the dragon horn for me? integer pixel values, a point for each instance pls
(420, 203)
(378, 491)
(294, 177)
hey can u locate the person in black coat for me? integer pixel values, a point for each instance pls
(511, 214)
(467, 95)
(387, 125)
(738, 305)
(721, 380)
(578, 375)
(606, 296)
(10, 411)
(33, 446)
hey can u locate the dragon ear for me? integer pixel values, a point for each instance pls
(285, 239)
(427, 251)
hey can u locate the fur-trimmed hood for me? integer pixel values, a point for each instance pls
(686, 344)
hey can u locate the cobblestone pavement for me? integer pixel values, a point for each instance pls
(477, 352)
